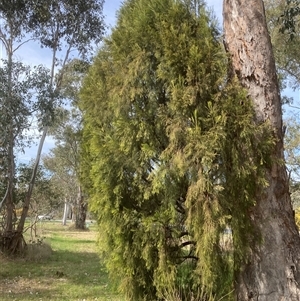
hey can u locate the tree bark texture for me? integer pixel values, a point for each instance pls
(273, 269)
(81, 210)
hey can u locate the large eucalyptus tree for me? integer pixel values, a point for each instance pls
(272, 269)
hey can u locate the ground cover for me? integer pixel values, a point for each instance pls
(71, 270)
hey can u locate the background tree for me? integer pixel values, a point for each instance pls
(75, 25)
(45, 197)
(63, 163)
(276, 254)
(63, 27)
(24, 92)
(292, 146)
(287, 62)
(290, 18)
(66, 130)
(285, 49)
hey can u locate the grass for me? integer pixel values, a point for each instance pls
(71, 271)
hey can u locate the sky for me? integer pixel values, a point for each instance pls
(37, 55)
(111, 6)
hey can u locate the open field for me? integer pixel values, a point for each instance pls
(72, 271)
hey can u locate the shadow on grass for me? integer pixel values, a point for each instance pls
(80, 268)
(66, 275)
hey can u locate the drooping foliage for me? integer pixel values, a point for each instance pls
(171, 157)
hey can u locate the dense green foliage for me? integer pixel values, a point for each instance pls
(171, 156)
(45, 196)
(290, 17)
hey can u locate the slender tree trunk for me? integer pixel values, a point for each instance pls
(273, 269)
(31, 183)
(81, 211)
(66, 212)
(10, 215)
(9, 231)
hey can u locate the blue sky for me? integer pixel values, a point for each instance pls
(36, 55)
(111, 7)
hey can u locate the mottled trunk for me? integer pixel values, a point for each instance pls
(81, 211)
(10, 207)
(66, 211)
(273, 269)
(27, 200)
(9, 230)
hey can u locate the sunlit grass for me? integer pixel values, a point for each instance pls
(72, 272)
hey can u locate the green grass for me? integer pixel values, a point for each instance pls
(73, 270)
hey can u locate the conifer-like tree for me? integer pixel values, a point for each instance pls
(170, 154)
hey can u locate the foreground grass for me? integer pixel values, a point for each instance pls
(72, 271)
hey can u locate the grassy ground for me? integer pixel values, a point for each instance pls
(71, 271)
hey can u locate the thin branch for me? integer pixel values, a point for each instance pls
(179, 208)
(4, 198)
(4, 41)
(295, 107)
(22, 44)
(189, 257)
(226, 295)
(183, 234)
(187, 243)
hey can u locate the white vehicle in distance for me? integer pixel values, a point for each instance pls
(44, 217)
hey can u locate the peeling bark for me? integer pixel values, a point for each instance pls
(273, 269)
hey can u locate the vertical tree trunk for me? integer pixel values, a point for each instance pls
(9, 231)
(10, 215)
(66, 211)
(80, 210)
(27, 200)
(273, 269)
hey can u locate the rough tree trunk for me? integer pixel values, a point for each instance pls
(273, 270)
(81, 211)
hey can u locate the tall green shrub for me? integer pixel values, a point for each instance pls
(171, 156)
